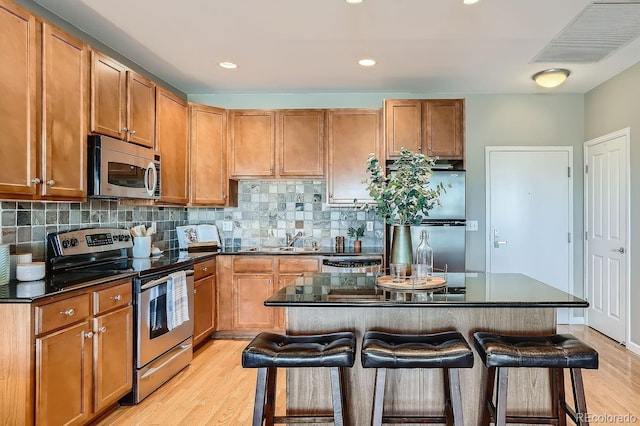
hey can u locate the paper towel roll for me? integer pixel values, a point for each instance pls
(5, 264)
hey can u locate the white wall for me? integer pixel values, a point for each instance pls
(615, 105)
(490, 120)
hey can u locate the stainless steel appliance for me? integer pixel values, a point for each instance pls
(351, 264)
(75, 258)
(123, 170)
(446, 224)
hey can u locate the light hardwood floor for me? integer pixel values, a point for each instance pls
(216, 390)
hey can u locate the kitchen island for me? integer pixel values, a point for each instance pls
(470, 302)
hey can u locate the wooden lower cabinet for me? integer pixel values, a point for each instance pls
(245, 282)
(204, 301)
(78, 363)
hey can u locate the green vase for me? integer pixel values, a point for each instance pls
(401, 248)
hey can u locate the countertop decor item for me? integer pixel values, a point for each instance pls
(30, 271)
(356, 233)
(403, 197)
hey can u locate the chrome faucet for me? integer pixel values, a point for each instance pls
(291, 239)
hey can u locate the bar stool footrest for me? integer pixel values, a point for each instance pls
(414, 419)
(297, 419)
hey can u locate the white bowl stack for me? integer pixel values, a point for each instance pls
(19, 258)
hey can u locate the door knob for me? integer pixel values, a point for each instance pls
(619, 250)
(51, 182)
(36, 180)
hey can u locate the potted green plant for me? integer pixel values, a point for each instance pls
(403, 197)
(356, 233)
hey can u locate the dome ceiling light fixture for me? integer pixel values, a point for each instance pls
(367, 62)
(228, 65)
(470, 1)
(354, 1)
(551, 77)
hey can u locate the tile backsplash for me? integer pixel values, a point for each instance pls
(267, 211)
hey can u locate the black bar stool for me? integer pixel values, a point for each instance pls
(270, 351)
(556, 352)
(448, 351)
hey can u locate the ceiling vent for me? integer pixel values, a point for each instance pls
(599, 30)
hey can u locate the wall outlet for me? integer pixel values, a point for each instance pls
(472, 225)
(227, 225)
(369, 225)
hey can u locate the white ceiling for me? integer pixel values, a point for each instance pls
(312, 46)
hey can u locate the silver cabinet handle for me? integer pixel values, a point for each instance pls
(117, 297)
(124, 129)
(205, 269)
(51, 182)
(102, 329)
(195, 290)
(133, 132)
(619, 250)
(88, 335)
(68, 312)
(36, 180)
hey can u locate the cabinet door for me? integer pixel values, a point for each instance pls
(63, 376)
(203, 309)
(108, 96)
(249, 293)
(64, 112)
(252, 143)
(172, 115)
(209, 180)
(141, 112)
(444, 128)
(17, 100)
(403, 128)
(300, 143)
(353, 135)
(113, 354)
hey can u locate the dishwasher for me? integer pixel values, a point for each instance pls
(350, 264)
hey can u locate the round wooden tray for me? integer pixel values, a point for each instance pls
(386, 281)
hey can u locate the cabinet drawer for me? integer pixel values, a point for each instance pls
(112, 297)
(204, 269)
(250, 264)
(62, 313)
(306, 264)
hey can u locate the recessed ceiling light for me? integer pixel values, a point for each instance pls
(367, 62)
(471, 1)
(551, 77)
(353, 1)
(228, 65)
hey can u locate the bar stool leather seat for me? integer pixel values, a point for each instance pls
(270, 351)
(556, 352)
(448, 350)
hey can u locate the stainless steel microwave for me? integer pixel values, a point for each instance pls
(120, 169)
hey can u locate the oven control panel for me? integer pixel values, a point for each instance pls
(95, 240)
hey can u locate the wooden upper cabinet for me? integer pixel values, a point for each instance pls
(122, 102)
(17, 101)
(210, 185)
(141, 104)
(252, 144)
(300, 143)
(108, 96)
(403, 128)
(353, 135)
(434, 127)
(444, 128)
(172, 138)
(64, 110)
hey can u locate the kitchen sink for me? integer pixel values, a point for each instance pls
(279, 249)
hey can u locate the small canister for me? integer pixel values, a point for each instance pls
(339, 244)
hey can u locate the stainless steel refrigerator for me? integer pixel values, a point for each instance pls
(446, 224)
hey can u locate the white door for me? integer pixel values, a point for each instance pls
(529, 214)
(605, 198)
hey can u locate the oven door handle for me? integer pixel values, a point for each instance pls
(162, 280)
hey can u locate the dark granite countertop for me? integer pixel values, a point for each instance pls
(467, 290)
(319, 251)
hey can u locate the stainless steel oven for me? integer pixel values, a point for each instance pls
(162, 349)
